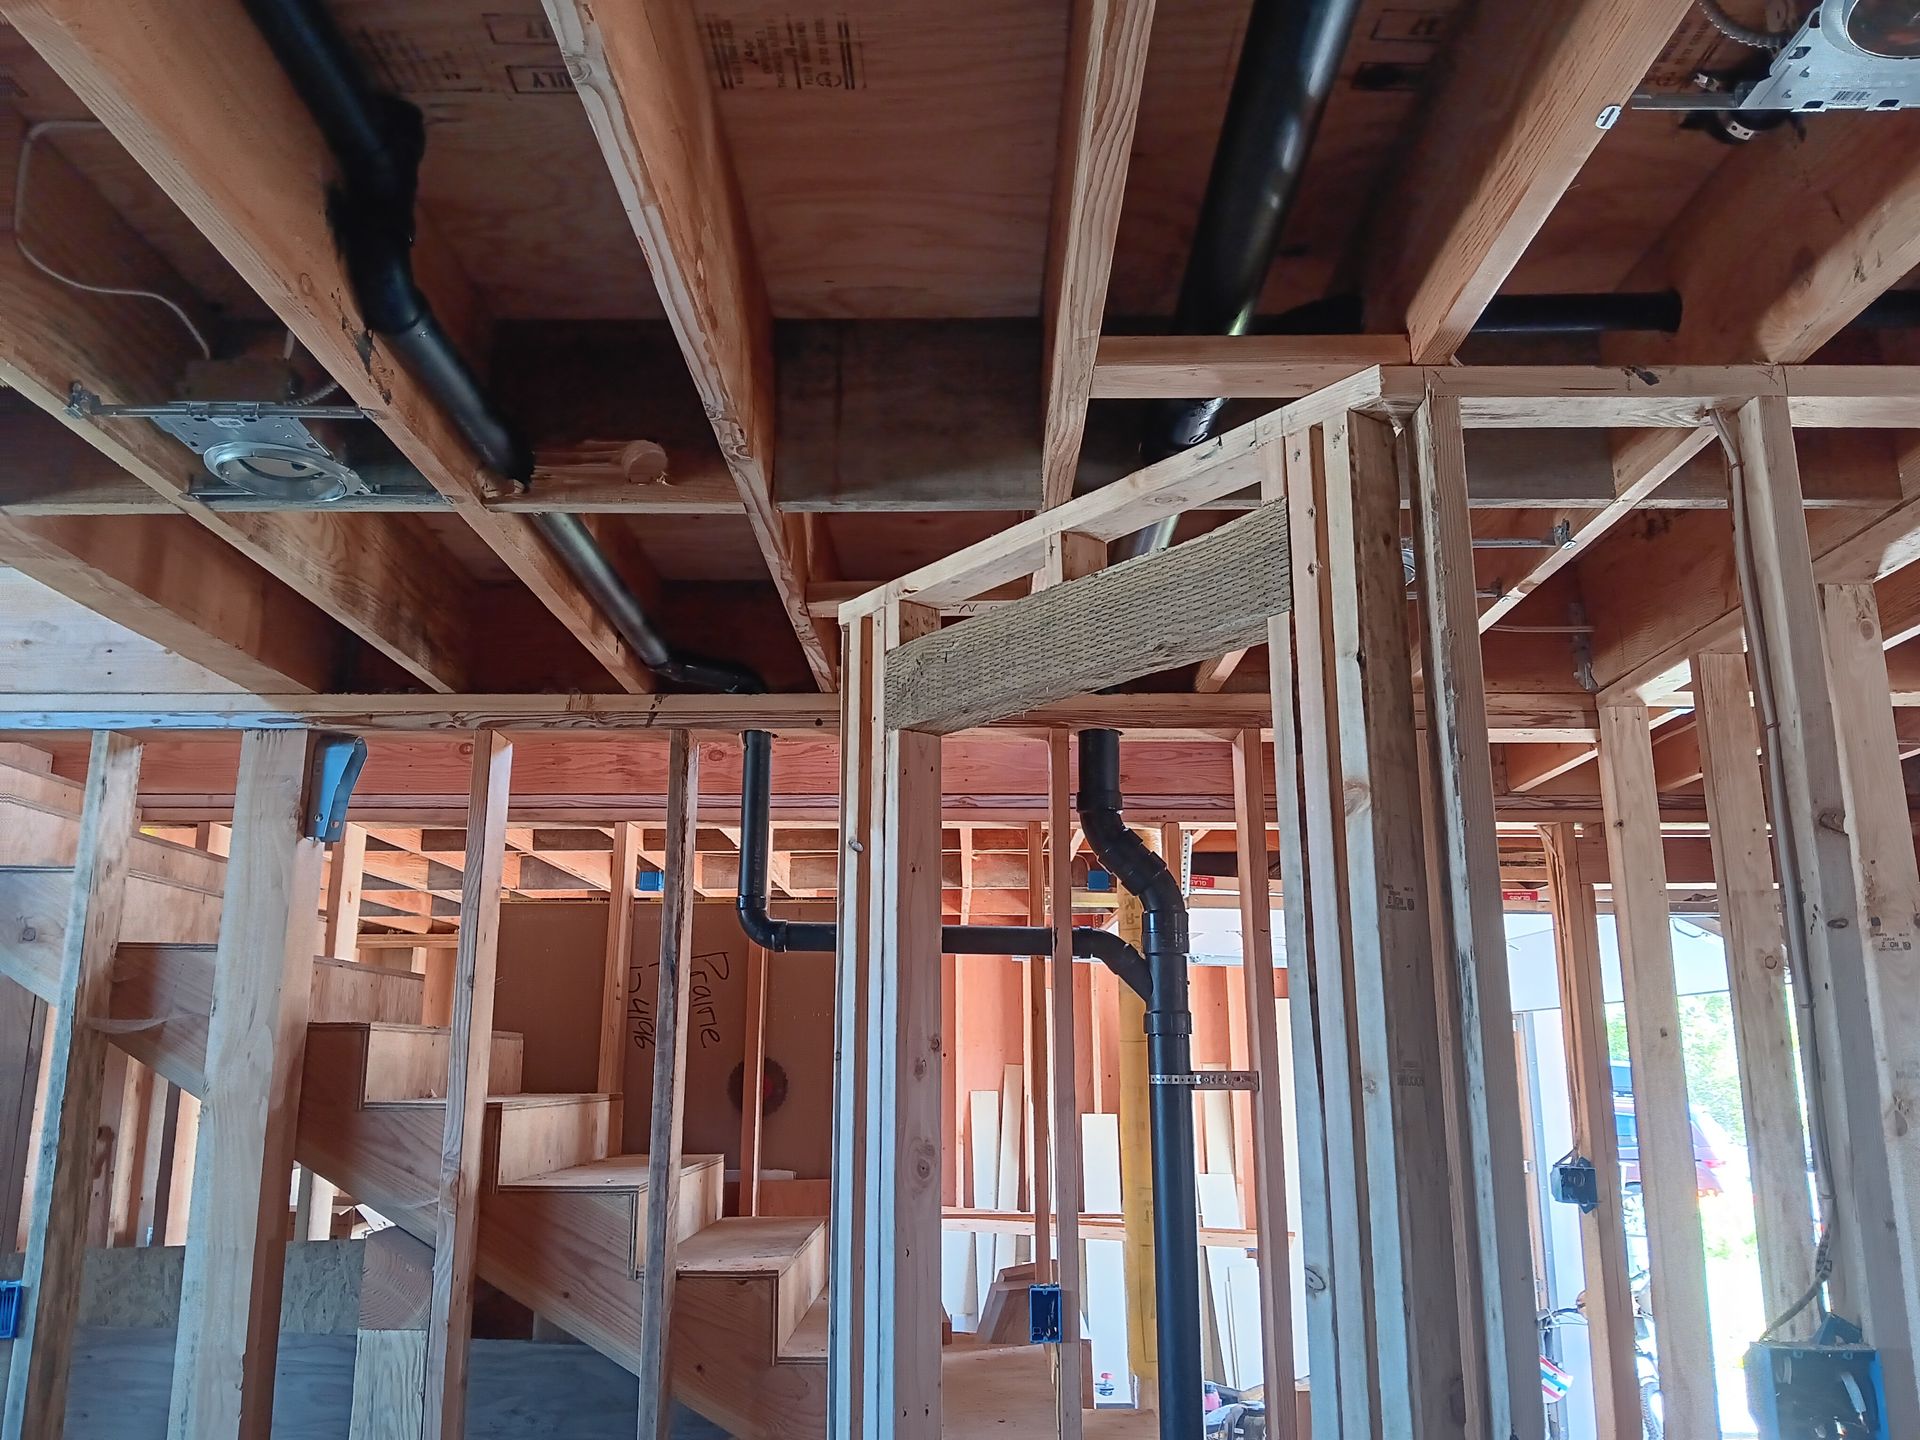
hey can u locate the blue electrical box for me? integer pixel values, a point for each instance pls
(652, 882)
(9, 1309)
(1100, 881)
(1043, 1313)
(1829, 1386)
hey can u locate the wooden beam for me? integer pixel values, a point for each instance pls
(1497, 1274)
(1212, 675)
(1069, 1358)
(1603, 1233)
(641, 74)
(1106, 60)
(1527, 94)
(1636, 867)
(469, 1061)
(1269, 1197)
(36, 1394)
(1514, 716)
(753, 1089)
(184, 587)
(223, 1368)
(1778, 251)
(345, 876)
(1729, 739)
(1173, 608)
(1415, 1314)
(622, 873)
(667, 1124)
(253, 177)
(1271, 367)
(1869, 1157)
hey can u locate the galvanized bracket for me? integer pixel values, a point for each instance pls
(337, 762)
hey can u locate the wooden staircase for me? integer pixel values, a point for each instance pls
(562, 1216)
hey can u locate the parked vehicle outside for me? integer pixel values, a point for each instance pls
(1710, 1147)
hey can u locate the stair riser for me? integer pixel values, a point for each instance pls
(412, 1065)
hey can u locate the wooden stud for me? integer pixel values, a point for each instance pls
(1750, 922)
(1269, 1198)
(753, 1091)
(1038, 1061)
(1344, 1261)
(904, 1045)
(1865, 1059)
(23, 1030)
(672, 1008)
(342, 935)
(1637, 869)
(469, 1059)
(622, 877)
(223, 1368)
(1497, 1273)
(850, 1301)
(1603, 1232)
(36, 1397)
(1106, 60)
(1396, 1023)
(1070, 1361)
(1888, 887)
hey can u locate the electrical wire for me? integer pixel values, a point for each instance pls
(1736, 31)
(1792, 906)
(34, 132)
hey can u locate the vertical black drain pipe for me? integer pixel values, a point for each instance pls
(1176, 1208)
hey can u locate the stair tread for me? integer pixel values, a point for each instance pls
(747, 1245)
(615, 1172)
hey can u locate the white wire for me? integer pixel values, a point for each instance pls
(34, 132)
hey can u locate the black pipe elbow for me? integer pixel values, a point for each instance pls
(1163, 929)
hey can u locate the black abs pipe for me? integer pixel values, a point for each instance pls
(377, 141)
(1163, 933)
(780, 936)
(1288, 63)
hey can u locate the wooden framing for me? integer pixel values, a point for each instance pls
(469, 1063)
(1497, 1275)
(1063, 1095)
(223, 1369)
(1756, 978)
(1106, 61)
(1871, 1161)
(1603, 1233)
(639, 74)
(36, 1394)
(1269, 1198)
(341, 934)
(753, 1064)
(1670, 1190)
(1528, 101)
(130, 67)
(1038, 1047)
(622, 871)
